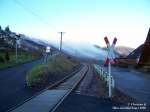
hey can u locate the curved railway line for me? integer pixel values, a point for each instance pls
(54, 95)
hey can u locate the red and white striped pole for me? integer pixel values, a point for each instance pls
(112, 50)
(108, 46)
(107, 42)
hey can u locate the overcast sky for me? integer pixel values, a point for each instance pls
(86, 22)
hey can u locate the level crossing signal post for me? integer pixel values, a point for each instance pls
(110, 59)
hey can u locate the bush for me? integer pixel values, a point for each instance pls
(37, 75)
(40, 73)
(2, 59)
(60, 64)
(7, 56)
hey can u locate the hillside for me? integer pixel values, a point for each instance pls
(123, 50)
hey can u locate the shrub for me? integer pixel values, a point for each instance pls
(40, 73)
(2, 59)
(37, 75)
(7, 56)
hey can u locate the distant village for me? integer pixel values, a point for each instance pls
(10, 41)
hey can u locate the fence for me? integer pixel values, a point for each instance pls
(104, 75)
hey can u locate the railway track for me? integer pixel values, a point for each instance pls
(50, 99)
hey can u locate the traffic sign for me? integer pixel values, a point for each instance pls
(48, 49)
(111, 54)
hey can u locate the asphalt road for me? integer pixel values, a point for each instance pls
(135, 84)
(13, 88)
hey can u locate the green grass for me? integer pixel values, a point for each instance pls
(37, 75)
(22, 58)
(60, 64)
(40, 73)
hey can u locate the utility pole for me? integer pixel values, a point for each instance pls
(17, 42)
(16, 52)
(61, 33)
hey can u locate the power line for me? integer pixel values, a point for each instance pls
(29, 10)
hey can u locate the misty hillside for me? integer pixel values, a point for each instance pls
(123, 51)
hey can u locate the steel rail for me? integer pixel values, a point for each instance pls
(70, 91)
(57, 83)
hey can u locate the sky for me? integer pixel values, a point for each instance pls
(85, 22)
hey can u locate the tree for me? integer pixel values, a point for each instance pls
(7, 29)
(7, 58)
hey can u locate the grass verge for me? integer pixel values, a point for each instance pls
(22, 58)
(57, 65)
(37, 75)
(117, 95)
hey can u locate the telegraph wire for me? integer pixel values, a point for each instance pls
(29, 10)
